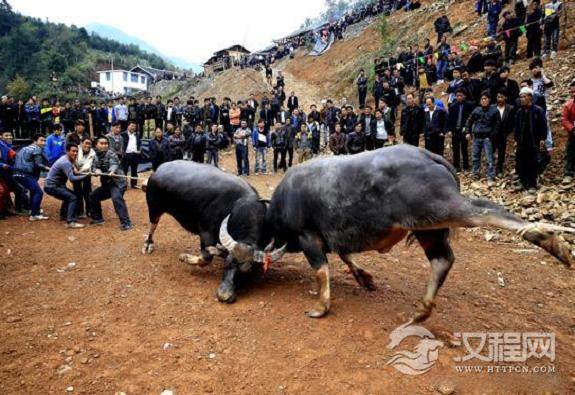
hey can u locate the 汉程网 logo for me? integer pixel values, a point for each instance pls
(419, 359)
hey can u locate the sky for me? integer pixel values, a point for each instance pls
(192, 30)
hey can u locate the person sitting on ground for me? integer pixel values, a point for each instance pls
(106, 165)
(62, 171)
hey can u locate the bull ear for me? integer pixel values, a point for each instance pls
(227, 241)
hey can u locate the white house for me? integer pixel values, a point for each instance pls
(123, 81)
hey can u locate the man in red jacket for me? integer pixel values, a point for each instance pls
(568, 122)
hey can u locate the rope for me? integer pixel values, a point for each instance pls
(113, 175)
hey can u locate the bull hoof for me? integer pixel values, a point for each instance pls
(318, 312)
(192, 260)
(423, 311)
(213, 251)
(365, 279)
(226, 296)
(148, 248)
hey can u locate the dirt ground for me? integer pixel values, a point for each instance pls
(119, 321)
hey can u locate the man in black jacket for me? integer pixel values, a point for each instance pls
(197, 145)
(158, 149)
(510, 86)
(511, 33)
(530, 135)
(160, 110)
(435, 127)
(506, 116)
(459, 112)
(361, 88)
(377, 89)
(483, 124)
(388, 94)
(150, 115)
(490, 81)
(367, 121)
(349, 120)
(292, 102)
(442, 26)
(170, 113)
(534, 32)
(267, 115)
(412, 121)
(355, 140)
(105, 165)
(472, 86)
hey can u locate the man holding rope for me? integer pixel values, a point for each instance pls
(63, 170)
(106, 165)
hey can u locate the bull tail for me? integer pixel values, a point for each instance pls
(488, 214)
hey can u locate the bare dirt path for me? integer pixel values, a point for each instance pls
(307, 92)
(120, 321)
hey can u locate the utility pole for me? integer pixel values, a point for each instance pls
(112, 72)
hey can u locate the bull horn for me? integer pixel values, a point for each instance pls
(227, 241)
(275, 255)
(278, 253)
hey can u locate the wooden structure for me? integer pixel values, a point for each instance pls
(225, 59)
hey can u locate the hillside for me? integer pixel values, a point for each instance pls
(55, 59)
(332, 76)
(116, 34)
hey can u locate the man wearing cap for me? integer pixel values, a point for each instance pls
(530, 134)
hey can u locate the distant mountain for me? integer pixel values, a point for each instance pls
(114, 33)
(54, 60)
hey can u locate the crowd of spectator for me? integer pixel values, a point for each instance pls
(479, 110)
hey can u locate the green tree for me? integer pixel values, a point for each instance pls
(19, 88)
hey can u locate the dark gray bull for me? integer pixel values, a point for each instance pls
(224, 210)
(371, 201)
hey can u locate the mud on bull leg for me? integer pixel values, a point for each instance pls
(148, 247)
(363, 278)
(436, 246)
(313, 250)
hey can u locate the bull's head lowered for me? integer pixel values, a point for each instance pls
(246, 253)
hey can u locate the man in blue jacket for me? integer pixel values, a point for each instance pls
(493, 11)
(55, 144)
(29, 163)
